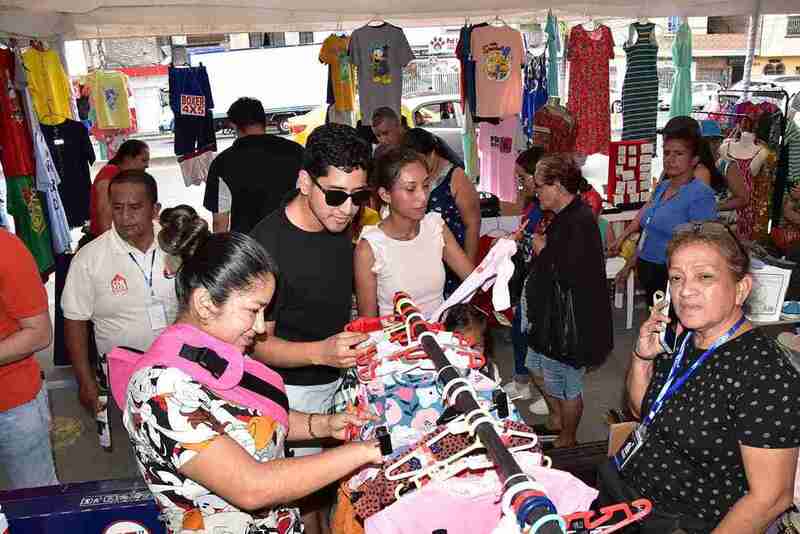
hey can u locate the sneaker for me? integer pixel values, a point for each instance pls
(539, 407)
(518, 390)
(790, 310)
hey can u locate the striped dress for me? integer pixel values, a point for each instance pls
(640, 90)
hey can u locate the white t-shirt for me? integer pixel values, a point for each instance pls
(415, 266)
(107, 284)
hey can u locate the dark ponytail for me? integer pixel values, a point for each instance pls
(129, 149)
(220, 263)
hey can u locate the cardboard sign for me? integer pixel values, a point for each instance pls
(193, 105)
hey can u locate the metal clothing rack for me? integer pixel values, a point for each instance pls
(522, 496)
(779, 94)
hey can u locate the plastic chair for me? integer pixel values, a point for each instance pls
(613, 267)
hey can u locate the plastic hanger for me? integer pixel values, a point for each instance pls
(376, 22)
(498, 22)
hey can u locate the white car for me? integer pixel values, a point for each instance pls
(789, 83)
(703, 93)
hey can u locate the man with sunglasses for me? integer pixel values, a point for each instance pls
(306, 236)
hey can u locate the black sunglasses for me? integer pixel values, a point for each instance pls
(335, 197)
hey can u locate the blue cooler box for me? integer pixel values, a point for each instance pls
(123, 506)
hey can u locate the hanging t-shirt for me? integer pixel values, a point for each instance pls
(499, 56)
(110, 99)
(498, 146)
(72, 154)
(16, 150)
(49, 86)
(380, 53)
(334, 53)
(30, 223)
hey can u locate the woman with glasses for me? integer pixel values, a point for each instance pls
(681, 197)
(407, 251)
(568, 264)
(717, 446)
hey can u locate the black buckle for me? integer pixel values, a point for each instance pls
(205, 358)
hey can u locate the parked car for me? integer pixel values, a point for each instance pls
(703, 93)
(789, 83)
(440, 114)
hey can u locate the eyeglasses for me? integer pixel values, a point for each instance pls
(335, 197)
(711, 229)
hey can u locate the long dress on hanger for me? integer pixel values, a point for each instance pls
(681, 101)
(640, 90)
(589, 53)
(553, 48)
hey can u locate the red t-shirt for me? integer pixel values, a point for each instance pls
(16, 146)
(22, 295)
(105, 174)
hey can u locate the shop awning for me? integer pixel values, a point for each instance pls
(85, 19)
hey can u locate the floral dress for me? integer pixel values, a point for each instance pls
(442, 201)
(588, 56)
(170, 418)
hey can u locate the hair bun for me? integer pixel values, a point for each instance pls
(183, 231)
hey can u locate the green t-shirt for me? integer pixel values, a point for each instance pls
(30, 222)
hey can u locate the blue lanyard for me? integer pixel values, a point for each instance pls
(149, 280)
(672, 386)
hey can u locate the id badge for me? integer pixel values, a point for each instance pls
(158, 315)
(630, 448)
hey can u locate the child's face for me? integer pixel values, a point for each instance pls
(473, 334)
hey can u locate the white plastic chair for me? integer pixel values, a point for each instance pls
(613, 267)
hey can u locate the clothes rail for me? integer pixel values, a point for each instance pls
(779, 186)
(522, 496)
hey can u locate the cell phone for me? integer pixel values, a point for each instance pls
(667, 337)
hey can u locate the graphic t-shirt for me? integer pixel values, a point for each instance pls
(16, 149)
(380, 53)
(498, 146)
(499, 55)
(334, 53)
(110, 97)
(30, 223)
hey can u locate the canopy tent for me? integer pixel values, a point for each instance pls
(88, 19)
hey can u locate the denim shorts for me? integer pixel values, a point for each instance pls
(561, 381)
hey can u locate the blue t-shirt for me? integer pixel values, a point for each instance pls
(693, 202)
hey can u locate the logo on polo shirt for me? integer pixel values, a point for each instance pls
(119, 286)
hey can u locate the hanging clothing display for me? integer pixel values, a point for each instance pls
(553, 48)
(109, 90)
(498, 146)
(16, 148)
(640, 89)
(73, 154)
(47, 178)
(588, 54)
(499, 56)
(681, 101)
(534, 91)
(554, 129)
(464, 54)
(340, 73)
(30, 223)
(380, 53)
(49, 86)
(192, 103)
(792, 141)
(470, 145)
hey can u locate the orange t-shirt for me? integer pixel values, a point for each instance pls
(22, 295)
(106, 173)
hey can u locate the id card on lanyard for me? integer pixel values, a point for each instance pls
(155, 309)
(672, 385)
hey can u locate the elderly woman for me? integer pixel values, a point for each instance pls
(717, 446)
(568, 264)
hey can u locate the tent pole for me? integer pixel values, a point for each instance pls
(752, 33)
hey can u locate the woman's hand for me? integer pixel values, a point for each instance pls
(648, 346)
(615, 247)
(338, 423)
(538, 243)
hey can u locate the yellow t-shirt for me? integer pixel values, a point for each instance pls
(49, 86)
(110, 100)
(334, 53)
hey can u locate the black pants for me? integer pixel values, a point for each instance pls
(652, 276)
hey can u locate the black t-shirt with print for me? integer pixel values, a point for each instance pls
(746, 392)
(314, 294)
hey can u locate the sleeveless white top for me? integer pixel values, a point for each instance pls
(415, 266)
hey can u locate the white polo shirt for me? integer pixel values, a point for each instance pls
(107, 284)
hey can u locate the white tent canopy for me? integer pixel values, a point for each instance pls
(87, 19)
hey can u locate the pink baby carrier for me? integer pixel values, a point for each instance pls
(215, 364)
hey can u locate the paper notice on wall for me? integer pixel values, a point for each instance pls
(620, 169)
(620, 190)
(644, 196)
(647, 148)
(634, 197)
(633, 187)
(644, 184)
(619, 199)
(645, 158)
(628, 175)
